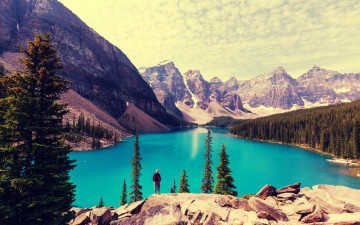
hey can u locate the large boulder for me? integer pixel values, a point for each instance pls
(240, 216)
(266, 191)
(207, 207)
(223, 200)
(316, 216)
(328, 202)
(135, 207)
(213, 219)
(100, 216)
(159, 214)
(260, 205)
(305, 208)
(287, 196)
(294, 188)
(341, 194)
(82, 219)
(240, 203)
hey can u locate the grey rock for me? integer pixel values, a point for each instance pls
(316, 216)
(305, 208)
(223, 200)
(185, 205)
(325, 206)
(240, 216)
(260, 205)
(272, 201)
(266, 215)
(240, 203)
(287, 196)
(294, 188)
(100, 216)
(213, 219)
(82, 219)
(135, 207)
(266, 191)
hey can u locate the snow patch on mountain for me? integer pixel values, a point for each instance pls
(193, 97)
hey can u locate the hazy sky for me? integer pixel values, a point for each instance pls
(230, 37)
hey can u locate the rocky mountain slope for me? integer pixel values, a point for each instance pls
(77, 106)
(100, 72)
(323, 204)
(266, 94)
(189, 95)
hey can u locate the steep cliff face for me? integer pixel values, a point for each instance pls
(198, 86)
(100, 71)
(168, 85)
(275, 89)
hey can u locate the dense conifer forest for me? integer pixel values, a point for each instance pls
(332, 129)
(80, 128)
(224, 121)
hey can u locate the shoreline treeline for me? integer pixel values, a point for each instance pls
(332, 129)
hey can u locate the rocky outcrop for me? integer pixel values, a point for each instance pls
(100, 71)
(168, 85)
(224, 209)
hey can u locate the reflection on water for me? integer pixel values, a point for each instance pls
(195, 140)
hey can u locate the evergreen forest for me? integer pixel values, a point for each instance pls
(332, 129)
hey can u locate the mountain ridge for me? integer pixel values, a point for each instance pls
(268, 93)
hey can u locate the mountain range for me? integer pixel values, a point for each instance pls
(100, 72)
(107, 87)
(189, 95)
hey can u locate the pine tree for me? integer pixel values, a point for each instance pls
(101, 203)
(356, 141)
(208, 179)
(123, 197)
(136, 194)
(225, 182)
(173, 188)
(35, 185)
(184, 183)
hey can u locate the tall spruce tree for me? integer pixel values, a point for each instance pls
(208, 179)
(225, 182)
(136, 193)
(184, 186)
(101, 203)
(173, 188)
(123, 197)
(34, 166)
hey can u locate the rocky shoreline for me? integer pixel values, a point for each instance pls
(320, 205)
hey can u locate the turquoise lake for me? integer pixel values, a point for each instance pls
(101, 173)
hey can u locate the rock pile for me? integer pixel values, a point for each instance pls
(323, 204)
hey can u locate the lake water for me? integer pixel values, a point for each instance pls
(254, 164)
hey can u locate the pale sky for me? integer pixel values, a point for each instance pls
(230, 37)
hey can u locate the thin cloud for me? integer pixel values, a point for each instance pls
(230, 37)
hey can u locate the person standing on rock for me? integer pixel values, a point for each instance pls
(157, 179)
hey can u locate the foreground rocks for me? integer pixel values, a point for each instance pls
(321, 205)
